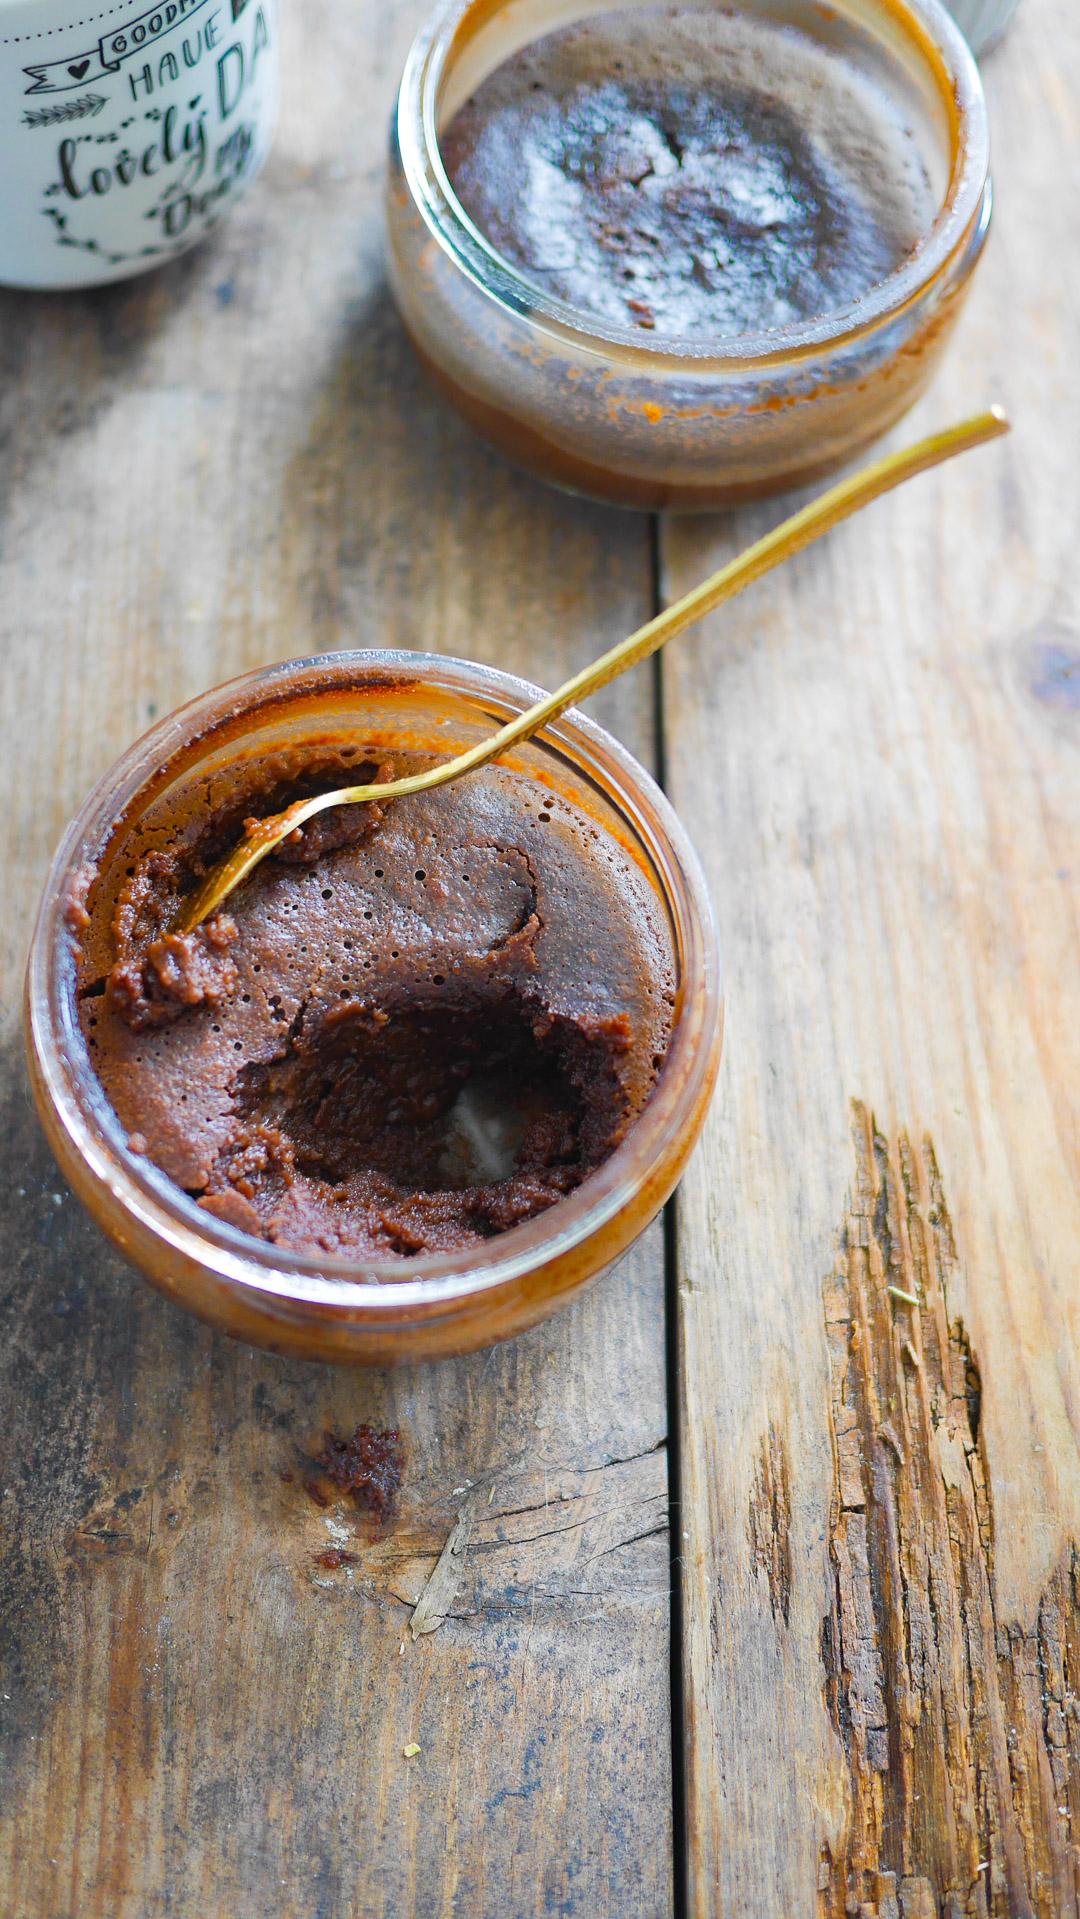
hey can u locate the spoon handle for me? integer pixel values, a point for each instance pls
(869, 483)
(789, 537)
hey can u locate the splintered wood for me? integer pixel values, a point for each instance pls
(961, 1739)
(438, 1595)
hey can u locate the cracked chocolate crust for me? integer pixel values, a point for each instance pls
(413, 1029)
(693, 174)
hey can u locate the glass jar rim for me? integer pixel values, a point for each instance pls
(967, 200)
(258, 1267)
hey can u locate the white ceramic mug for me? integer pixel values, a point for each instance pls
(126, 131)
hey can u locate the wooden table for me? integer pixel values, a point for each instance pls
(850, 1675)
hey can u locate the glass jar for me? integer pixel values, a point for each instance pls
(982, 21)
(333, 1308)
(692, 423)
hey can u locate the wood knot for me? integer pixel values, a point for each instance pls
(1048, 664)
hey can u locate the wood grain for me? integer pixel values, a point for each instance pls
(960, 1735)
(878, 752)
(879, 755)
(227, 463)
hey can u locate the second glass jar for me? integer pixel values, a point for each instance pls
(681, 424)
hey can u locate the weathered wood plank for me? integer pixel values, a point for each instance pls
(228, 463)
(202, 1716)
(879, 753)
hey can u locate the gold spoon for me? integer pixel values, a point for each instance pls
(262, 836)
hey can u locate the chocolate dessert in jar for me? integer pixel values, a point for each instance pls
(431, 1070)
(683, 256)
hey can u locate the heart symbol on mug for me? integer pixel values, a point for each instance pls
(78, 69)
